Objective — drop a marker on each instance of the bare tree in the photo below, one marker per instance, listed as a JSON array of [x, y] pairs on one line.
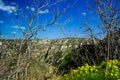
[[33, 26], [108, 22], [109, 12]]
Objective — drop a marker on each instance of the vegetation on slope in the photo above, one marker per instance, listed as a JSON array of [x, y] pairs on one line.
[[95, 72]]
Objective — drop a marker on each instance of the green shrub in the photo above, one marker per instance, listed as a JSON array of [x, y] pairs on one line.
[[95, 72]]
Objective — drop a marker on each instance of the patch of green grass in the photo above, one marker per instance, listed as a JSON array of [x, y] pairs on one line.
[[39, 71]]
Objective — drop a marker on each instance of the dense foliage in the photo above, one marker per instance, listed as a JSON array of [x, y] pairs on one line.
[[95, 72]]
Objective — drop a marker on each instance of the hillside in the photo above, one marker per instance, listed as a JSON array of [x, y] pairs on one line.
[[62, 55]]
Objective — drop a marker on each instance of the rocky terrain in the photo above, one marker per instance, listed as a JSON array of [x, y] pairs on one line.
[[66, 53]]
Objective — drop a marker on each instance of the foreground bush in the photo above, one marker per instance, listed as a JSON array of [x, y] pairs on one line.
[[95, 72]]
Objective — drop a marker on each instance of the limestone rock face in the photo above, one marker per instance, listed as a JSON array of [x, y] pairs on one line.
[[54, 50]]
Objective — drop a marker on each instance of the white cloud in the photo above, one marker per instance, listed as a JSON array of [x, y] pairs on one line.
[[27, 7], [22, 28], [43, 12], [1, 22], [14, 32], [83, 13], [8, 9], [32, 9], [18, 27]]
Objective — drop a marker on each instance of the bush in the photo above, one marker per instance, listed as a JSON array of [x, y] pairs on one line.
[[95, 72]]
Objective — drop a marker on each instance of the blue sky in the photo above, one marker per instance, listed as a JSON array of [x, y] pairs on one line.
[[68, 25]]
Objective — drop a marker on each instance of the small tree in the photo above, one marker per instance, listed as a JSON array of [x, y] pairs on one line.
[[33, 26], [109, 12]]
